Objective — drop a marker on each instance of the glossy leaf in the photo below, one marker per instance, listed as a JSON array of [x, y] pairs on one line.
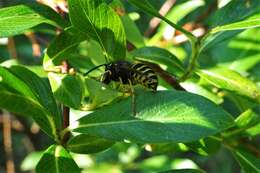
[[160, 56], [68, 89], [254, 131], [55, 160], [248, 162], [97, 20], [165, 116], [231, 80], [17, 19], [85, 144], [22, 105]]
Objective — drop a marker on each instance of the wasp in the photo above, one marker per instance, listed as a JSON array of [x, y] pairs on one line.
[[129, 73]]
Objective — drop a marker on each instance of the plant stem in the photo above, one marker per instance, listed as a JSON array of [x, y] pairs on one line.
[[66, 120], [188, 34], [195, 47], [7, 138]]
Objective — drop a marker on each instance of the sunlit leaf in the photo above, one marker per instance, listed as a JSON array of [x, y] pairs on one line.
[[165, 116], [230, 80], [97, 20], [55, 160], [85, 144], [17, 19]]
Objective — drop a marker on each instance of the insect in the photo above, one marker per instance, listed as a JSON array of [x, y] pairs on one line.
[[129, 73]]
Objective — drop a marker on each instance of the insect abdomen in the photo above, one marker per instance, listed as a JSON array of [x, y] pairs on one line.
[[144, 75]]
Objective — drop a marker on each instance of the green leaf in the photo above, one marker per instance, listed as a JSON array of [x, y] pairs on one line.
[[17, 19], [67, 89], [198, 89], [236, 11], [24, 84], [247, 119], [41, 90], [56, 160], [254, 131], [85, 144], [133, 34], [247, 161], [230, 80], [66, 42], [183, 171], [99, 21], [99, 94], [244, 24], [205, 146], [159, 56], [25, 106], [11, 81], [164, 116]]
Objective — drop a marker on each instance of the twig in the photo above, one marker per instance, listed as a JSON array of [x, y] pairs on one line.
[[156, 21], [11, 48], [35, 45], [7, 135], [166, 76]]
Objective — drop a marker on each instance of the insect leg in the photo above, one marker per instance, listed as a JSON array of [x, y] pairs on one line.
[[133, 97]]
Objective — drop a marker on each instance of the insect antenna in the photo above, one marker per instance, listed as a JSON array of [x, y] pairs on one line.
[[85, 74]]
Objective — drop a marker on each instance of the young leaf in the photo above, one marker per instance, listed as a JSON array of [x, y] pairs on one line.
[[247, 161], [164, 116], [68, 89], [56, 160], [17, 19], [231, 80], [85, 144], [159, 56], [97, 20]]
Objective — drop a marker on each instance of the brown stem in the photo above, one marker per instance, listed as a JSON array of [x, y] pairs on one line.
[[11, 48], [7, 137], [166, 76], [156, 21]]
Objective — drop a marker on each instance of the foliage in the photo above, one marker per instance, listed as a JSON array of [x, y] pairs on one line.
[[215, 115]]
